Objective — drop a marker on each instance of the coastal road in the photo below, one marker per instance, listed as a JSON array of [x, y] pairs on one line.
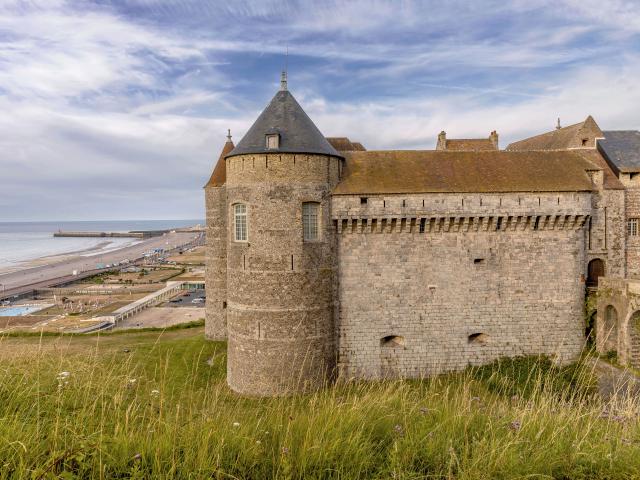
[[50, 274]]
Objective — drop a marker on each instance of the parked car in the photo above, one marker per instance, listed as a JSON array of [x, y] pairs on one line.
[[197, 300]]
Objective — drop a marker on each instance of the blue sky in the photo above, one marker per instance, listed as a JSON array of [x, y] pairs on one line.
[[118, 109]]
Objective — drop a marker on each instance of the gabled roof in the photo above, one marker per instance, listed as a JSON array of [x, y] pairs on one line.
[[429, 171], [470, 144], [563, 138], [343, 144], [610, 181], [284, 116], [219, 175], [622, 149]]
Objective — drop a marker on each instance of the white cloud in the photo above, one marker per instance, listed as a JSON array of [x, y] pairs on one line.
[[107, 113]]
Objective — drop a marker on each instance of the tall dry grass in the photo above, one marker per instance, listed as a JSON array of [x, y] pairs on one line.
[[162, 410]]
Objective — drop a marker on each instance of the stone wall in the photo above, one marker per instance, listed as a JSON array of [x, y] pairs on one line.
[[619, 331], [216, 263], [631, 181], [281, 289], [605, 236], [430, 283]]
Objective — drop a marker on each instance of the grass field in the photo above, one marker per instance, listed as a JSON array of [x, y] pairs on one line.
[[155, 404]]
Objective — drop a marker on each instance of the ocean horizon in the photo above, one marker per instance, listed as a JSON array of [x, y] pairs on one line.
[[22, 242]]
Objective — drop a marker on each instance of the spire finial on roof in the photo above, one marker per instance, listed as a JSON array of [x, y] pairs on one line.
[[283, 81], [558, 127], [228, 134]]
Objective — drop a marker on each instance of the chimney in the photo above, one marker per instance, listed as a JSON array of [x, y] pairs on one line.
[[493, 136], [442, 141]]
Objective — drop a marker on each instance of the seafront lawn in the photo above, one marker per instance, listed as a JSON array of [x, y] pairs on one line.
[[154, 404]]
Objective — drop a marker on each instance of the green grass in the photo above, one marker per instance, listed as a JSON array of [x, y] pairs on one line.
[[156, 405]]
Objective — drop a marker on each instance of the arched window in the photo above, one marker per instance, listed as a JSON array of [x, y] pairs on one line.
[[594, 272], [240, 222], [310, 217]]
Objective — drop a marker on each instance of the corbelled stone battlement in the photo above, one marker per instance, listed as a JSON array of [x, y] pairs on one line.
[[457, 224]]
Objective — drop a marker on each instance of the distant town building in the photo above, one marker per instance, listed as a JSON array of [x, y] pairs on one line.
[[328, 260]]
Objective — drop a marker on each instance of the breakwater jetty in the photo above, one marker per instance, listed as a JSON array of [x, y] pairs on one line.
[[133, 234]]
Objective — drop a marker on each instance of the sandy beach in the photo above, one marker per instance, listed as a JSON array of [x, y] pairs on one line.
[[57, 258], [40, 272]]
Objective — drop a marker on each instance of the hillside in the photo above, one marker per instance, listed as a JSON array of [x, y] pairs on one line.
[[155, 405]]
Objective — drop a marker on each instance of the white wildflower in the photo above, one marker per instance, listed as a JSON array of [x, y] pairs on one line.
[[236, 424]]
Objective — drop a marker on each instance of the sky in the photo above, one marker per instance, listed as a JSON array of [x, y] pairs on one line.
[[119, 109]]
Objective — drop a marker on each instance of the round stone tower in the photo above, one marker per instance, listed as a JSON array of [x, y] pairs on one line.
[[281, 254], [215, 193]]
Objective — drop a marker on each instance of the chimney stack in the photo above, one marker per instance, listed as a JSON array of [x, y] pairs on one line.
[[494, 139], [442, 141]]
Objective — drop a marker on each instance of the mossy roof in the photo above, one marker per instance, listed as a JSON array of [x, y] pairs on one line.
[[560, 138], [431, 171], [470, 144], [219, 174]]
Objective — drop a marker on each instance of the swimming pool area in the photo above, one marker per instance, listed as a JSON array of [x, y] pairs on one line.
[[20, 310]]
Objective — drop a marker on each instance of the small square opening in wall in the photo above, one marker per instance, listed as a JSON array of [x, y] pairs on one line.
[[478, 261], [478, 338], [363, 200]]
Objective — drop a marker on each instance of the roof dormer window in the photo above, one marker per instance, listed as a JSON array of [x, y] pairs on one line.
[[273, 141]]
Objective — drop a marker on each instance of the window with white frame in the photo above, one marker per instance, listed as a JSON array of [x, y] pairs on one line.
[[240, 222], [310, 220], [632, 227], [273, 141]]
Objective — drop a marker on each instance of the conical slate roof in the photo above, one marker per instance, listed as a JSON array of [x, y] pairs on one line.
[[219, 175], [284, 116]]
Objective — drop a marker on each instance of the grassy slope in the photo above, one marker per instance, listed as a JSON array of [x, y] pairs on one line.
[[508, 420]]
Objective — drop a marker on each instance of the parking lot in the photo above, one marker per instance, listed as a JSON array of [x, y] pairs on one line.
[[187, 298]]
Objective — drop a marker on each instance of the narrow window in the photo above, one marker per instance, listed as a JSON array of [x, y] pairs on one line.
[[499, 223], [632, 227], [404, 203], [273, 141], [240, 221], [423, 224], [584, 142], [310, 221], [363, 200], [478, 261]]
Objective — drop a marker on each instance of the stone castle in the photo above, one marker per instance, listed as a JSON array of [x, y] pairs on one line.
[[326, 260]]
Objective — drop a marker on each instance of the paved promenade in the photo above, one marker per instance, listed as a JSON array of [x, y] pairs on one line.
[[50, 274]]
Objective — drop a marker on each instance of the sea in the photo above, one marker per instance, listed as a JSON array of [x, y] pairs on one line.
[[22, 242]]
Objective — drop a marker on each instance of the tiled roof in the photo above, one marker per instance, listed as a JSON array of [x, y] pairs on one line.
[[562, 138], [219, 175], [470, 144], [343, 144], [622, 149], [284, 116], [414, 171], [611, 181]]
